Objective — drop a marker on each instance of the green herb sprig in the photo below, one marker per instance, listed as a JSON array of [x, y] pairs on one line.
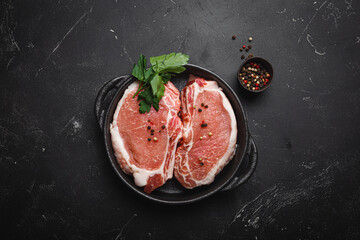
[[152, 79]]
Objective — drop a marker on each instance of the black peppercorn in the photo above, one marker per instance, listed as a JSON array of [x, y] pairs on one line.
[[242, 56], [152, 130], [202, 104], [233, 37], [149, 139], [151, 134], [199, 110], [149, 127], [206, 106], [163, 126]]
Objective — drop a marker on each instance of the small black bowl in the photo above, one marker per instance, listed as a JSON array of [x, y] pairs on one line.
[[266, 65]]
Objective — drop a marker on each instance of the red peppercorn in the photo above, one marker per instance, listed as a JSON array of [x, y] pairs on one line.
[[245, 81], [244, 46], [264, 83], [257, 66], [252, 64], [266, 80], [257, 88], [257, 84]]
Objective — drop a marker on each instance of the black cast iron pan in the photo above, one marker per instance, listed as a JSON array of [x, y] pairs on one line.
[[237, 172]]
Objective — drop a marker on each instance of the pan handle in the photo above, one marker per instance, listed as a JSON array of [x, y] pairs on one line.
[[102, 99], [252, 154]]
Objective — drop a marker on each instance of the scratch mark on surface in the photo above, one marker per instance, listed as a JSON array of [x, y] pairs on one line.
[[238, 214], [310, 79], [311, 19], [62, 40], [32, 184], [10, 61], [13, 41], [173, 2], [283, 11], [308, 165], [7, 19], [357, 40], [309, 39], [319, 93], [67, 124], [30, 45], [266, 206], [168, 11], [349, 7], [127, 54], [183, 42], [119, 236], [66, 35]]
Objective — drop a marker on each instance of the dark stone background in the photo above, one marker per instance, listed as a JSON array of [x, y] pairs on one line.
[[55, 179]]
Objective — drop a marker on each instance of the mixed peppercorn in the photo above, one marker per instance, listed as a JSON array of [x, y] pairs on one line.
[[203, 124], [245, 48], [152, 131], [254, 76]]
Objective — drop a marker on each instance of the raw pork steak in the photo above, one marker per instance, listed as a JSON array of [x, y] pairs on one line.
[[209, 133], [150, 162]]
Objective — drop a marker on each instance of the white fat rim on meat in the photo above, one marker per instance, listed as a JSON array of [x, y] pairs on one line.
[[229, 154], [140, 175]]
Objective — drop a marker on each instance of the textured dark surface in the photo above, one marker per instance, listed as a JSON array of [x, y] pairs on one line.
[[55, 179]]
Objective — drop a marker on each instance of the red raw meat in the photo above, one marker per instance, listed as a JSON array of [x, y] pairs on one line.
[[150, 162], [204, 151]]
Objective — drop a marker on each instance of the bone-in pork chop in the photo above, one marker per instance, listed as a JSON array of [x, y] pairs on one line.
[[209, 133], [145, 144]]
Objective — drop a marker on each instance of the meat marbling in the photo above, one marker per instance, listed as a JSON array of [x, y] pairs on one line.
[[198, 161], [150, 162]]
